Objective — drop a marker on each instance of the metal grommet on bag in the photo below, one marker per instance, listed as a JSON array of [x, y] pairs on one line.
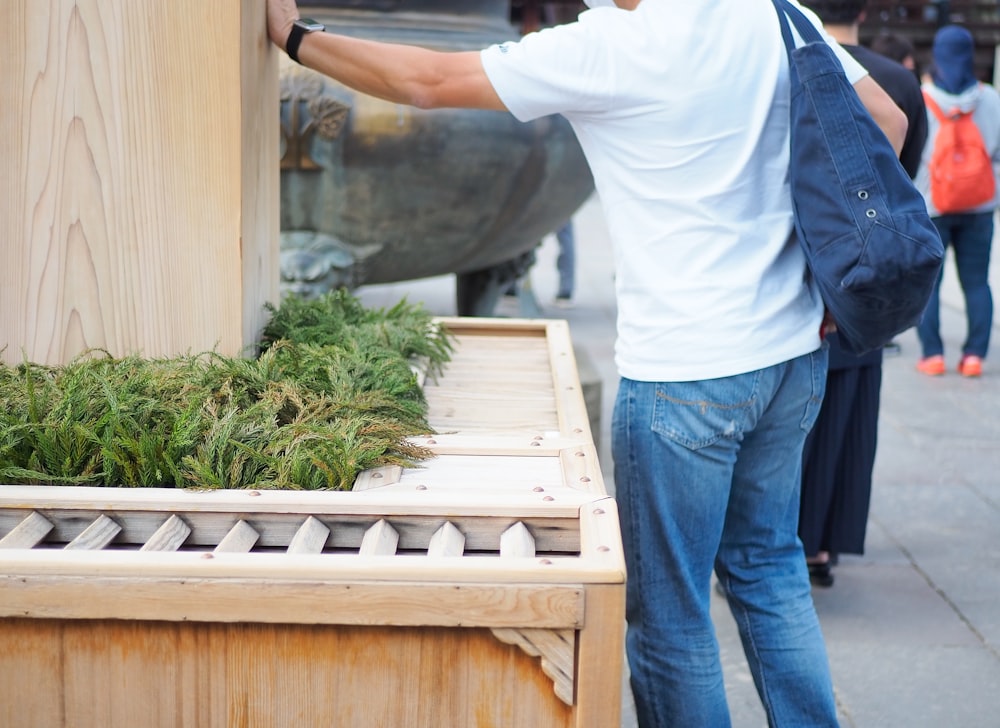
[[863, 194], [870, 213]]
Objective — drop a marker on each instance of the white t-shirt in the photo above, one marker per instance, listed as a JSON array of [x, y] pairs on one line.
[[681, 108]]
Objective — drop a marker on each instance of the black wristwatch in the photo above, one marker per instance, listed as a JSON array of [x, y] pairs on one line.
[[299, 28]]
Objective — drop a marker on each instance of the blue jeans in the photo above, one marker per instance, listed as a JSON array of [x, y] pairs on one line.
[[971, 237], [707, 475]]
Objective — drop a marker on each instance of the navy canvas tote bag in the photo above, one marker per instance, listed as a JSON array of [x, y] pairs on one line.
[[864, 228]]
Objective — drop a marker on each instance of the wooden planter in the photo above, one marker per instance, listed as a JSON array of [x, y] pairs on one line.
[[485, 588]]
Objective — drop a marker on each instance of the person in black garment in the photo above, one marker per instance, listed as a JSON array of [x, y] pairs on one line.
[[839, 453]]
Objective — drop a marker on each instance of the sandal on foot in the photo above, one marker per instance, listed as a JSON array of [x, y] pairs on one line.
[[820, 574]]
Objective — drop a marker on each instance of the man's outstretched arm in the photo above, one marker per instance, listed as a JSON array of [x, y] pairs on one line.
[[399, 73]]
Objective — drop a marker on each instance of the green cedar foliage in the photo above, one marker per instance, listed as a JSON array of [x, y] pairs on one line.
[[332, 393]]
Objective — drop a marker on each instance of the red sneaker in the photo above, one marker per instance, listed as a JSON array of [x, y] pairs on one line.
[[971, 366], [932, 366]]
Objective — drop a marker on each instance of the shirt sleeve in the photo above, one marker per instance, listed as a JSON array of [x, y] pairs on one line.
[[852, 69], [570, 68], [556, 70]]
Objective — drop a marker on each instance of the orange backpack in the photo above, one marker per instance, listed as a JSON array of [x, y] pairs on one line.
[[961, 171]]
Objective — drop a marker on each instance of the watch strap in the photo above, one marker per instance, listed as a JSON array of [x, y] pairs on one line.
[[299, 29]]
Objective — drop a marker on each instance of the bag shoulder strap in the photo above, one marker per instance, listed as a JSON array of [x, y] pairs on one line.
[[936, 110], [933, 106], [806, 30]]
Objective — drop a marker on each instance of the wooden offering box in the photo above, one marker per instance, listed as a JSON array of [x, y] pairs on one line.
[[483, 588]]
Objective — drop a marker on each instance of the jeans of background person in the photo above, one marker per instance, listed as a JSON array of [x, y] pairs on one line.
[[566, 260], [970, 236], [707, 477]]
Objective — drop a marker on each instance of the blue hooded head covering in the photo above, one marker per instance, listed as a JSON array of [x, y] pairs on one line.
[[953, 67]]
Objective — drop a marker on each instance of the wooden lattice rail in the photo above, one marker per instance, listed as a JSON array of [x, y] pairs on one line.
[[49, 538]]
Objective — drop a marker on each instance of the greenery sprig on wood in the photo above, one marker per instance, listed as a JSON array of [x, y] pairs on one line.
[[332, 393]]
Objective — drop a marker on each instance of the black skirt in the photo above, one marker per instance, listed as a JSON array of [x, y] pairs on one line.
[[837, 462]]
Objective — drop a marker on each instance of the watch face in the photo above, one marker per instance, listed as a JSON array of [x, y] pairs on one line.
[[309, 25]]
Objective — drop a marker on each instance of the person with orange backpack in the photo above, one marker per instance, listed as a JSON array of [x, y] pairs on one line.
[[957, 177]]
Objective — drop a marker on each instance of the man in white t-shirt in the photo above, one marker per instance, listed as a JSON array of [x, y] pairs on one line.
[[682, 111]]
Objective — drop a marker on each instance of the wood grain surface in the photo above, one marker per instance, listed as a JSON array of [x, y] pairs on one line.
[[138, 177]]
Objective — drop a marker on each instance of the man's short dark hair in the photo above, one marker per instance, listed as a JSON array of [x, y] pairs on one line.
[[837, 12], [893, 45]]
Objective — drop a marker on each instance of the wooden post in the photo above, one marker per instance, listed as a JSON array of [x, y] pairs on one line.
[[138, 177]]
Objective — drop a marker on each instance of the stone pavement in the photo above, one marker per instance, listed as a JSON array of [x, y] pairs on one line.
[[913, 626]]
